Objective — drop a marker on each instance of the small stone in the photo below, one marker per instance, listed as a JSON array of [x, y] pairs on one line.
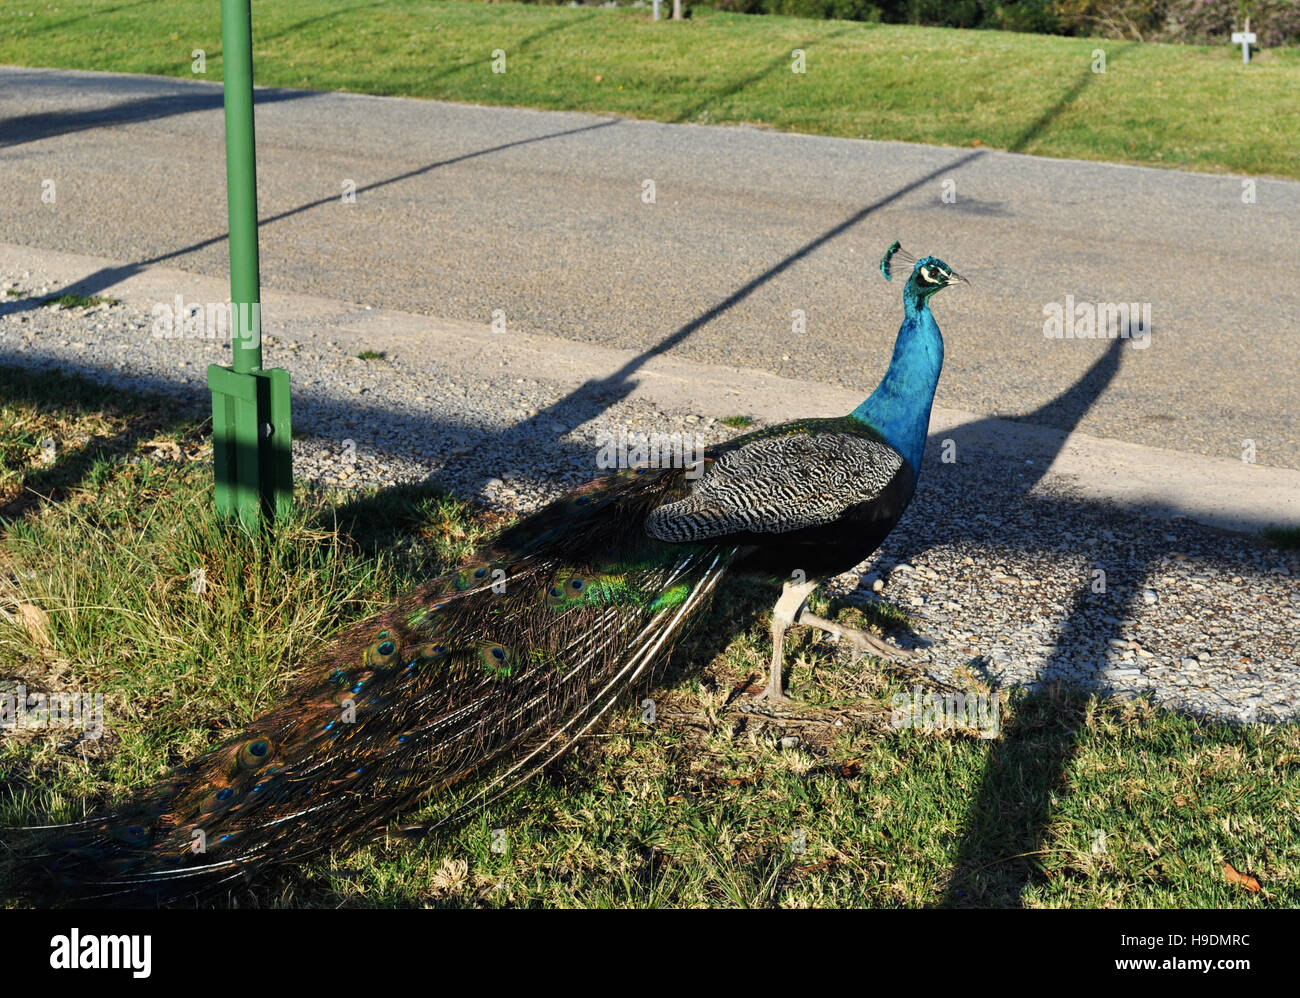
[[790, 741], [1149, 597]]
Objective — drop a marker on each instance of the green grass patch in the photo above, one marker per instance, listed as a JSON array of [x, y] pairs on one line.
[[371, 355], [737, 422], [74, 300], [1287, 538], [115, 578], [88, 425], [1195, 107]]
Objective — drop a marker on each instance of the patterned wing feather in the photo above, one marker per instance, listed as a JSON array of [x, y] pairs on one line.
[[779, 484]]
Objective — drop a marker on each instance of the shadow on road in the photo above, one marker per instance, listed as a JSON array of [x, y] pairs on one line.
[[48, 124], [93, 284], [593, 397]]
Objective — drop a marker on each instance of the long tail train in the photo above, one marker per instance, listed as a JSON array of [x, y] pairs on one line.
[[491, 671]]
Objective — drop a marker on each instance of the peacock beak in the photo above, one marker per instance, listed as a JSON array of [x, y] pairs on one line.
[[955, 278]]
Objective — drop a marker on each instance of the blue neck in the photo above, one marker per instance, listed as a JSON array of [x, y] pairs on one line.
[[899, 409]]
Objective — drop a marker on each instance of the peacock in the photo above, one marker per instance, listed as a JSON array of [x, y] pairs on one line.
[[490, 672]]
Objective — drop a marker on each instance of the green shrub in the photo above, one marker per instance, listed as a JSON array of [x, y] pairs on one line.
[[949, 13], [1211, 22], [1024, 15], [1207, 22], [842, 10]]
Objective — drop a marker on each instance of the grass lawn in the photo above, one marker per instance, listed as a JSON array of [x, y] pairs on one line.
[[1165, 105], [1078, 802]]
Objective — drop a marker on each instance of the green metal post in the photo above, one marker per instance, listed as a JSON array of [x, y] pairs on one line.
[[251, 428], [241, 178]]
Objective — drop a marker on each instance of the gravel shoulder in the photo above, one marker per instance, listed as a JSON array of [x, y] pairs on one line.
[[1032, 555]]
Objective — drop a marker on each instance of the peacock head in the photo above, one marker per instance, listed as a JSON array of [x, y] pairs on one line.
[[929, 274]]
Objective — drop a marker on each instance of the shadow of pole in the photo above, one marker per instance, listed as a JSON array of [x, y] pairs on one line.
[[67, 475], [735, 87], [1028, 765], [593, 397], [511, 48], [49, 124], [1040, 124], [92, 284]]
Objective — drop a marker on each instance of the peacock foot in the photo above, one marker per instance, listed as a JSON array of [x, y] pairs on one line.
[[774, 696], [860, 639]]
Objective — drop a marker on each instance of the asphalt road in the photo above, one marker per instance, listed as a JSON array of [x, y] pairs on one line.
[[463, 210]]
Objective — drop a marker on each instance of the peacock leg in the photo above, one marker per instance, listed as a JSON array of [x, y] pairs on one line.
[[864, 640], [784, 614]]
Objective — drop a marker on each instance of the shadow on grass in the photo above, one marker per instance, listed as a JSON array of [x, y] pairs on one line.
[[1008, 820], [1007, 826], [1044, 121], [144, 419], [733, 88], [513, 48]]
